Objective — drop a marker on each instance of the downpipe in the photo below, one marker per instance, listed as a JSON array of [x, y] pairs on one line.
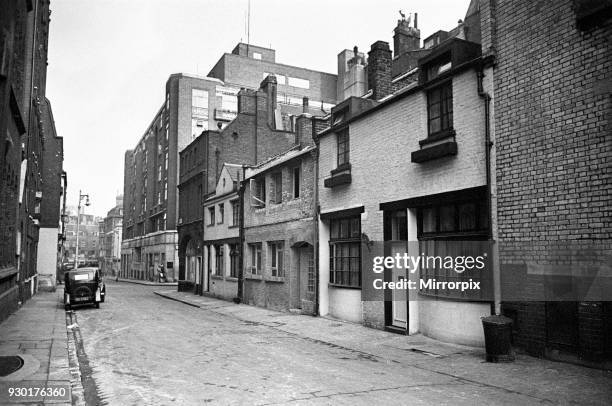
[[486, 97]]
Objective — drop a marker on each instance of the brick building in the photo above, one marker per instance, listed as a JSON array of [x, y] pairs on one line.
[[256, 134], [110, 239], [51, 207], [552, 112], [222, 253], [26, 129], [89, 236], [195, 104], [193, 168], [280, 228]]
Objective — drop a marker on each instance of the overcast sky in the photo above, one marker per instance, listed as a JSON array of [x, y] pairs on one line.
[[109, 61]]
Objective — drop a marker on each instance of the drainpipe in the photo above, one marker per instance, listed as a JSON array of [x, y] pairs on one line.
[[315, 226], [496, 304], [241, 186]]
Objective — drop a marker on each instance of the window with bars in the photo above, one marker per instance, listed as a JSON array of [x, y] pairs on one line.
[[296, 172], [343, 147], [255, 258], [235, 213], [276, 258], [276, 188], [234, 260], [219, 266], [311, 275], [440, 109], [221, 213], [211, 216], [345, 252]]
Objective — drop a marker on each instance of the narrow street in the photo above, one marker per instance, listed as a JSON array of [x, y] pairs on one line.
[[146, 349]]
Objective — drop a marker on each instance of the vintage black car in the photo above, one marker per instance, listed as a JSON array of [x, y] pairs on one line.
[[83, 286]]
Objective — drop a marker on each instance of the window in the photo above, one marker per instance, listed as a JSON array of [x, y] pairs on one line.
[[211, 216], [258, 192], [276, 189], [443, 64], [343, 147], [311, 275], [219, 260], [276, 258], [454, 229], [234, 260], [296, 182], [221, 213], [345, 252], [256, 55], [235, 212], [440, 109], [297, 82], [255, 257]]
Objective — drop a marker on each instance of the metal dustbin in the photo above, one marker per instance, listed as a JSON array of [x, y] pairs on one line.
[[498, 333]]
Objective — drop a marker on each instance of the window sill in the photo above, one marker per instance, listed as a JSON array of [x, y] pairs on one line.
[[437, 137], [435, 296], [334, 285], [276, 279], [231, 279], [216, 277], [233, 226], [437, 151], [341, 168], [253, 276], [339, 176]]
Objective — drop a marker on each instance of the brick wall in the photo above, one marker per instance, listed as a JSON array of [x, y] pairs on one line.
[[552, 125]]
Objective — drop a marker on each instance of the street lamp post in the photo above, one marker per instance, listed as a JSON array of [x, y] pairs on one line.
[[76, 254]]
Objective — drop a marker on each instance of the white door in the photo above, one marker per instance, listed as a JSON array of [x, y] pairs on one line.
[[400, 297]]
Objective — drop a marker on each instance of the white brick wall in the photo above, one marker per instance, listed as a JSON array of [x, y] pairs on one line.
[[380, 148]]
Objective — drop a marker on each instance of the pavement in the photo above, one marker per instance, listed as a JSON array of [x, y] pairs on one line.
[[146, 283], [528, 380], [37, 333]]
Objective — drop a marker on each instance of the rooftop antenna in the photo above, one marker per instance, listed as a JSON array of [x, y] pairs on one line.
[[248, 26]]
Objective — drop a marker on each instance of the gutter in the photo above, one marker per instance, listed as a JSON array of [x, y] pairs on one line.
[[315, 225], [486, 97], [241, 187]]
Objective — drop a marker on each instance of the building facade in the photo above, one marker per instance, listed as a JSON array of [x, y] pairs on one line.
[[51, 207], [89, 236], [111, 229], [25, 125], [222, 259], [195, 104], [280, 227], [256, 134], [552, 116]]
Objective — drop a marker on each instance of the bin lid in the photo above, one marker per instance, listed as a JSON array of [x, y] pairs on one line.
[[501, 320]]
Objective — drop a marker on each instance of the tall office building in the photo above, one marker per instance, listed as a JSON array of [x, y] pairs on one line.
[[192, 105]]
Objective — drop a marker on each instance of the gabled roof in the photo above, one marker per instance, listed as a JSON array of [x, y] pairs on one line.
[[234, 170], [277, 161]]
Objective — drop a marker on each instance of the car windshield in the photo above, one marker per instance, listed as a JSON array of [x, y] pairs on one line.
[[82, 276]]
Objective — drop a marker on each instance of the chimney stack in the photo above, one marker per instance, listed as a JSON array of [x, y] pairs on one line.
[[405, 37], [269, 86], [379, 70]]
